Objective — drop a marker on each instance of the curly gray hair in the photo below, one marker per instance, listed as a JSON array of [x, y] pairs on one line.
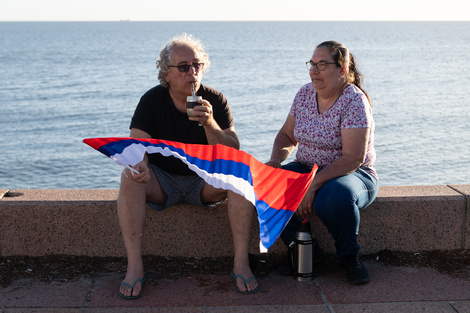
[[165, 55]]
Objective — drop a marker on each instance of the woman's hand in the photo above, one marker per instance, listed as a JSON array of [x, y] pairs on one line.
[[274, 163], [305, 208]]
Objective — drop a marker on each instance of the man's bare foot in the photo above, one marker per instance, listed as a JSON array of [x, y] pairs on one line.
[[245, 281], [131, 286]]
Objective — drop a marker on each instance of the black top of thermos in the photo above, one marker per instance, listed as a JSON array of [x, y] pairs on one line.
[[305, 227]]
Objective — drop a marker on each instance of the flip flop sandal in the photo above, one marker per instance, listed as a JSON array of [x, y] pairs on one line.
[[245, 281], [142, 280]]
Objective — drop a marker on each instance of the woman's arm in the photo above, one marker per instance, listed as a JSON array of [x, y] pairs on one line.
[[354, 143], [284, 143]]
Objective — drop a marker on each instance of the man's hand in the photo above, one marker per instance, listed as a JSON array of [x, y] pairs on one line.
[[144, 171], [203, 113]]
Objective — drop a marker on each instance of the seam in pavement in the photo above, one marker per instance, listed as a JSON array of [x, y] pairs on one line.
[[324, 298]]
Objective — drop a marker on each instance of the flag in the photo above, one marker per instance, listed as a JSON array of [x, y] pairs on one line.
[[274, 192]]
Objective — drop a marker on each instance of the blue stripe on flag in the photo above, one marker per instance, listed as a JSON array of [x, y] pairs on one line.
[[218, 166], [271, 221]]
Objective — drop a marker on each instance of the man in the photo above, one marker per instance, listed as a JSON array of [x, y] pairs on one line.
[[165, 181]]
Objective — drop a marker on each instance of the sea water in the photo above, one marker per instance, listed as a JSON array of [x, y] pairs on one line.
[[61, 82]]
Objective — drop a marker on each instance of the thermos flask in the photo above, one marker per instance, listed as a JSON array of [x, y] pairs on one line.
[[303, 253]]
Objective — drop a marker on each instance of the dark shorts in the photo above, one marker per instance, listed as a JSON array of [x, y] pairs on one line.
[[180, 189]]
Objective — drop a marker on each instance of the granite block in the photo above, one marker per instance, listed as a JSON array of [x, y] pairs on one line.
[[465, 191], [84, 222], [72, 222], [408, 219], [413, 219], [40, 222]]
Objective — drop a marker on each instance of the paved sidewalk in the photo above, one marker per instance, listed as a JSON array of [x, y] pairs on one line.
[[392, 289]]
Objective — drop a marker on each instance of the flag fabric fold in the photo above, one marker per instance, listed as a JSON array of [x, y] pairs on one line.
[[274, 192]]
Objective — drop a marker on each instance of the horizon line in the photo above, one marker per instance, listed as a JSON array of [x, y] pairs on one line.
[[219, 21]]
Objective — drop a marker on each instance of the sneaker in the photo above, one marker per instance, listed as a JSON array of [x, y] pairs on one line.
[[286, 267], [357, 273]]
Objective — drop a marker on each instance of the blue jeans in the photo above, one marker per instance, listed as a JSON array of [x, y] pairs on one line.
[[337, 204]]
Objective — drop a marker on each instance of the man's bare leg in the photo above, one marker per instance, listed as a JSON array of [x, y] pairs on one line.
[[131, 209], [210, 194], [240, 212]]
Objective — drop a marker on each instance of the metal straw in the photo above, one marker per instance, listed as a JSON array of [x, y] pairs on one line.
[[192, 89]]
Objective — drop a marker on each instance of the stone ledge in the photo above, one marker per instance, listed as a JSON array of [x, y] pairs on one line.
[[38, 222]]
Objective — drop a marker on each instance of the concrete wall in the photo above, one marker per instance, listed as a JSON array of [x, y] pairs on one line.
[[38, 222]]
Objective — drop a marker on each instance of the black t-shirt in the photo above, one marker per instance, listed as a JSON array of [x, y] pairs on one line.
[[157, 115]]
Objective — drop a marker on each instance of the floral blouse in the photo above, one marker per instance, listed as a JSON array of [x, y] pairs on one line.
[[319, 134]]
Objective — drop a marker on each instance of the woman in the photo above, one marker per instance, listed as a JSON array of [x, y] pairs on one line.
[[331, 123]]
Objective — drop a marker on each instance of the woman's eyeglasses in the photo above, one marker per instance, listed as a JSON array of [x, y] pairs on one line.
[[321, 66], [183, 68]]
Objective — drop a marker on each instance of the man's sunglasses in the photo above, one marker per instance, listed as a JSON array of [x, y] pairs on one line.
[[183, 68]]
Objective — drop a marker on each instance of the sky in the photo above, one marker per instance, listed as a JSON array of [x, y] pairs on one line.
[[234, 10]]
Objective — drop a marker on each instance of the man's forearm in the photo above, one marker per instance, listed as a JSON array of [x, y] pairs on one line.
[[227, 137]]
